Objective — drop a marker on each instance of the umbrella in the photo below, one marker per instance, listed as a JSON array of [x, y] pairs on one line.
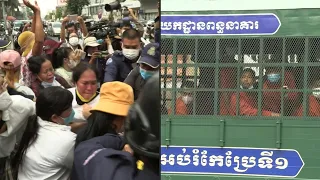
[[11, 18]]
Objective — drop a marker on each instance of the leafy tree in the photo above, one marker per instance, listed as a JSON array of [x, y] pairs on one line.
[[59, 12], [76, 6]]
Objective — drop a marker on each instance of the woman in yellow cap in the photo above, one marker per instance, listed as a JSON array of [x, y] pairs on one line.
[[31, 44]]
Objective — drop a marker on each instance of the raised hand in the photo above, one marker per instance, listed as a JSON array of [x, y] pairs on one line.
[[34, 7]]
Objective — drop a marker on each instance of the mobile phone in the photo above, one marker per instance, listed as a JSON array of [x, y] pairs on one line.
[[73, 17]]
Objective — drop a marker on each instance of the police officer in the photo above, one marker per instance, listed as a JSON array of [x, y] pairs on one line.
[[121, 63], [108, 158], [4, 45], [149, 64]]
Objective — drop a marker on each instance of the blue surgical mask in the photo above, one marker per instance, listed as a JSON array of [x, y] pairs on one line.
[[146, 74], [69, 119], [273, 77], [100, 41], [47, 84]]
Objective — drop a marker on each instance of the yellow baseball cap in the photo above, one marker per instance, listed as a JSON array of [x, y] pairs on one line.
[[115, 98]]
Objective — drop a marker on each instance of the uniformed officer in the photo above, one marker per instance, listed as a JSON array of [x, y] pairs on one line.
[[121, 63], [108, 158], [149, 64], [4, 45]]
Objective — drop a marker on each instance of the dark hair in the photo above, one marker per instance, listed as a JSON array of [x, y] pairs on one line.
[[248, 70], [35, 62], [131, 34], [81, 68], [59, 55], [116, 44], [99, 124], [52, 100], [71, 24]]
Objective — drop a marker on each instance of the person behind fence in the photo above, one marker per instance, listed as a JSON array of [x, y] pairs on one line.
[[313, 104], [247, 100], [149, 64], [46, 150], [108, 158], [14, 113], [121, 63], [273, 80], [184, 104], [109, 114]]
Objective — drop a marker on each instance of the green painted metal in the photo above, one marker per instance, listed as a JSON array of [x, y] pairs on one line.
[[299, 133]]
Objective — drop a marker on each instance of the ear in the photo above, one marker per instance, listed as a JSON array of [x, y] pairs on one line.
[[56, 119]]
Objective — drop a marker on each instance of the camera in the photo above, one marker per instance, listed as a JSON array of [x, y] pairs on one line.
[[105, 29]]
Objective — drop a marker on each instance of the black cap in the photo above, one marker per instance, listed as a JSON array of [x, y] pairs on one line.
[[4, 44]]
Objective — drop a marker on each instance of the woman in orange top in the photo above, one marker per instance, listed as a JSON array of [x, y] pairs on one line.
[[184, 102], [247, 100], [314, 101]]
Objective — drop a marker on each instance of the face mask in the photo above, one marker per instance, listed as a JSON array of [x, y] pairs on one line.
[[130, 53], [187, 99], [5, 101], [69, 119], [72, 64], [146, 74], [47, 84], [100, 41], [74, 41], [241, 87], [316, 93], [273, 77]]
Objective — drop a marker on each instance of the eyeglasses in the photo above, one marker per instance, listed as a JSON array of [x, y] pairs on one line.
[[47, 71]]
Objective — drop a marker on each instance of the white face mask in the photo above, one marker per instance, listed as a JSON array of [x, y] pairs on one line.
[[130, 53], [5, 101], [72, 64], [241, 87], [316, 93], [187, 99], [74, 41]]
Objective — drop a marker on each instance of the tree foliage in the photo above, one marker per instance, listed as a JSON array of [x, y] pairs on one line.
[[59, 13], [76, 6]]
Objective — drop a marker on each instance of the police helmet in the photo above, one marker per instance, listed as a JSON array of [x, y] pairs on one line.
[[142, 125]]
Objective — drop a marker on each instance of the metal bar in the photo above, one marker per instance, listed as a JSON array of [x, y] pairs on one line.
[[222, 133], [168, 132], [278, 133], [174, 77], [282, 76], [305, 98], [216, 75], [4, 16], [195, 79], [261, 68], [238, 77]]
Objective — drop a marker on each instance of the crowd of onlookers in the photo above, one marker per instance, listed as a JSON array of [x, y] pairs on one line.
[[58, 100]]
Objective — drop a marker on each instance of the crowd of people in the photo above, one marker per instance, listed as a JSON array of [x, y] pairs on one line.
[[79, 109]]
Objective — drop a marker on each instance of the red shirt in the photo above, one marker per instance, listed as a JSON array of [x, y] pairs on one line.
[[272, 100], [314, 107], [228, 80], [247, 105]]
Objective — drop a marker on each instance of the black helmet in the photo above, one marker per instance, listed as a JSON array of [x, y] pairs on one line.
[[142, 126]]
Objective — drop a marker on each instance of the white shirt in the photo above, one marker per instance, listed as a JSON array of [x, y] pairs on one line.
[[15, 114], [50, 157], [24, 89], [78, 117]]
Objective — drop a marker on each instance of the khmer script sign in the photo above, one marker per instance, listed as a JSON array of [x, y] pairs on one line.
[[231, 161], [216, 24]]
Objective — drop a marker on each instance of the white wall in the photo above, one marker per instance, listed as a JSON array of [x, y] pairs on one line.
[[211, 5]]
